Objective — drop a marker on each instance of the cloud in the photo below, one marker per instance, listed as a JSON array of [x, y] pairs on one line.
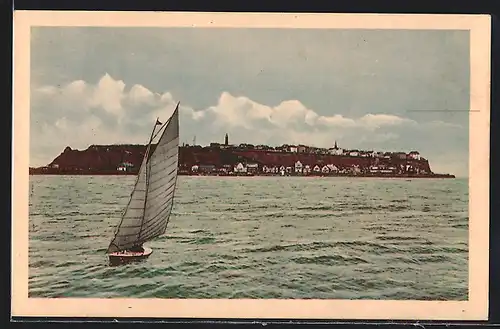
[[374, 121], [80, 114]]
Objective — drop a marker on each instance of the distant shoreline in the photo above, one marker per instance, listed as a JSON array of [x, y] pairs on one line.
[[245, 160], [403, 176]]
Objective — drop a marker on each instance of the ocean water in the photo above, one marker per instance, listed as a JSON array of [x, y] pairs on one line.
[[257, 237]]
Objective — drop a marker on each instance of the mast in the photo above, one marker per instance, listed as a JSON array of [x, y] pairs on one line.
[[147, 176], [148, 169], [148, 147], [148, 210]]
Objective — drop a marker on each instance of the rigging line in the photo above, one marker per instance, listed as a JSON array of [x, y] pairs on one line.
[[162, 126], [148, 172], [177, 164], [125, 211], [138, 177], [158, 211], [166, 123], [172, 203], [148, 167], [173, 193], [149, 163], [130, 199]]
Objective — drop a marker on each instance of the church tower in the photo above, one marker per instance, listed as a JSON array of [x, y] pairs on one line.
[[226, 140], [335, 147]]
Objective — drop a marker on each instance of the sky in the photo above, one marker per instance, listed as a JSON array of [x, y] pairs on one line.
[[387, 90]]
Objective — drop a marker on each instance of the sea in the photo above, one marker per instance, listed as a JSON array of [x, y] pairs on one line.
[[257, 237]]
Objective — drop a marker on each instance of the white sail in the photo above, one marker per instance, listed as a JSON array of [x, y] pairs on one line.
[[150, 205]]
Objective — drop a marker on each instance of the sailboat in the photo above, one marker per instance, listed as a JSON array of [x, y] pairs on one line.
[[149, 207]]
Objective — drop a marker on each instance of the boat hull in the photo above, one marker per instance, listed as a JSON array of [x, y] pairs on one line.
[[117, 258]]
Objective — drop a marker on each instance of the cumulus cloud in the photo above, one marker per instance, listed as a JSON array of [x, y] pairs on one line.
[[79, 114]]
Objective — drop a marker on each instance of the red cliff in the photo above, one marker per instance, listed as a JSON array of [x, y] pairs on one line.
[[126, 159]]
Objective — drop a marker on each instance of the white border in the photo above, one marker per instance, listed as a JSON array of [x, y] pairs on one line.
[[476, 308]]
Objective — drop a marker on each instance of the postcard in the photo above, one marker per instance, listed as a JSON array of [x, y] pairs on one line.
[[250, 165]]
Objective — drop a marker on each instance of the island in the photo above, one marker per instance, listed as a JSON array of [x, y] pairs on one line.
[[224, 159]]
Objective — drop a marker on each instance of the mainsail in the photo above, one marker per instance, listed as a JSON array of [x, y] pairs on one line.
[[148, 211]]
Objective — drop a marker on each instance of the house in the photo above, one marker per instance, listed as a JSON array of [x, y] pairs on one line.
[[206, 168], [316, 168], [400, 155], [240, 168], [325, 170], [333, 168], [414, 155], [282, 148], [252, 167], [223, 170], [274, 169], [293, 149], [298, 167], [268, 170], [356, 169], [336, 151], [125, 166], [354, 153], [194, 168]]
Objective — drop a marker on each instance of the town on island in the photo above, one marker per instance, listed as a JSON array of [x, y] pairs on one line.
[[245, 160]]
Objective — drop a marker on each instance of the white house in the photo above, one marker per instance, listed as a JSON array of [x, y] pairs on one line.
[[252, 167], [354, 153], [336, 151], [240, 168], [316, 168], [293, 149], [194, 168], [124, 166], [333, 168], [414, 155], [325, 170], [298, 167]]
